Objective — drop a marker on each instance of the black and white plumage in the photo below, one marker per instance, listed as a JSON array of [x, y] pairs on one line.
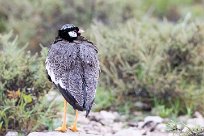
[[72, 65]]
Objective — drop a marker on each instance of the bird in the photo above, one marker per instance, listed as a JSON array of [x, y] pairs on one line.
[[72, 65]]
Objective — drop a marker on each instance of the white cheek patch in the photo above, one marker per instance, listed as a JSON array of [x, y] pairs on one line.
[[72, 34]]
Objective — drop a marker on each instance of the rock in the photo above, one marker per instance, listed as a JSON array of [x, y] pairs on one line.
[[94, 116], [92, 132], [92, 128], [104, 117], [11, 133], [160, 134], [151, 122], [121, 118], [195, 122], [129, 132], [136, 132], [197, 130], [132, 124], [109, 115], [82, 119], [106, 123], [55, 133], [142, 106], [183, 118], [161, 127], [180, 126], [198, 115], [140, 124], [117, 127], [155, 119], [137, 113], [109, 134]]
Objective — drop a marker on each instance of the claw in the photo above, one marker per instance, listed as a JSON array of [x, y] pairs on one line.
[[73, 128], [62, 128]]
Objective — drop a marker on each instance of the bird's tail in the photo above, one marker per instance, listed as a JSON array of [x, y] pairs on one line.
[[87, 112], [88, 108]]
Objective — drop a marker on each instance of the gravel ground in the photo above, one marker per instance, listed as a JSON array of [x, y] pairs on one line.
[[108, 123]]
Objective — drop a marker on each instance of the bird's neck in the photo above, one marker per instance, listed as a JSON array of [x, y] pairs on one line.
[[79, 38]]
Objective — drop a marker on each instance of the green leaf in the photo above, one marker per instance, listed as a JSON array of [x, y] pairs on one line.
[[27, 98]]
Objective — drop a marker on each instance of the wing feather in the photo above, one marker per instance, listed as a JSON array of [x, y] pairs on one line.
[[74, 69], [88, 54], [63, 67]]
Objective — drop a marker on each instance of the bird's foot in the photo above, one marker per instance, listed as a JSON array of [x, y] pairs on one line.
[[63, 128], [73, 128]]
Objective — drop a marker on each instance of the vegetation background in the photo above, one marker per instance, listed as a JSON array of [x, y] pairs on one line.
[[151, 54]]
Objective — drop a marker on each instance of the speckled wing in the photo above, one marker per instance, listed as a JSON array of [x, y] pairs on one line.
[[74, 69], [88, 54], [63, 66]]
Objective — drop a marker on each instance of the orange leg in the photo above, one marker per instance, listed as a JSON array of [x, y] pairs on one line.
[[63, 128], [74, 126]]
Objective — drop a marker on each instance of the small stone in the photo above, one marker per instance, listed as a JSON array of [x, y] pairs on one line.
[[11, 133], [183, 118], [142, 106], [160, 134], [92, 132], [140, 124], [137, 113], [196, 122], [185, 129], [109, 134], [106, 122], [155, 119], [161, 127], [128, 132], [180, 126], [109, 115], [132, 124], [83, 120], [121, 118], [55, 133], [117, 127], [198, 115]]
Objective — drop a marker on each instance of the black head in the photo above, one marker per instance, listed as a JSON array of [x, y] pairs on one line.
[[69, 32]]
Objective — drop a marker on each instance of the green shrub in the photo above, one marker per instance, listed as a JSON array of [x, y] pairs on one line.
[[158, 60], [103, 100], [36, 21], [183, 130], [23, 85], [154, 60]]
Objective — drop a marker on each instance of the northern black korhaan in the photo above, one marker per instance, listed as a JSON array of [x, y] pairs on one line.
[[72, 65]]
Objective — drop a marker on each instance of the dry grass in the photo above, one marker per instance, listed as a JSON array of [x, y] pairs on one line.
[[23, 85], [158, 60]]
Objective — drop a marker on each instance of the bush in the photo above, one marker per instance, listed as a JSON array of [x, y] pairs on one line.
[[23, 85], [36, 21], [154, 61], [157, 62]]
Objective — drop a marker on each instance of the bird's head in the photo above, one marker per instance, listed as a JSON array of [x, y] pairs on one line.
[[69, 32]]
